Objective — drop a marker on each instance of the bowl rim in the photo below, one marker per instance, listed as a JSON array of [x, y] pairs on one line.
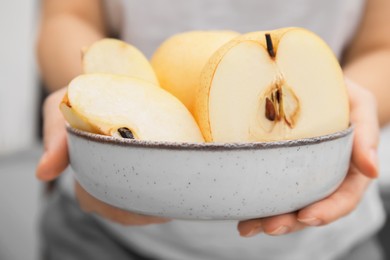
[[214, 146]]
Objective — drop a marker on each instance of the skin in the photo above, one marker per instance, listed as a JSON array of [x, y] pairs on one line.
[[365, 64]]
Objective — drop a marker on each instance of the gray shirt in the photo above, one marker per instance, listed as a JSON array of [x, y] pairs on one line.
[[146, 24]]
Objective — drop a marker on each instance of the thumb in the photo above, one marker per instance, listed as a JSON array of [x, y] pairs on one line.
[[55, 157], [365, 118]]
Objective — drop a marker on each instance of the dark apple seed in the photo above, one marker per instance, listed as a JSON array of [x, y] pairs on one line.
[[270, 46], [270, 112], [277, 94], [126, 133]]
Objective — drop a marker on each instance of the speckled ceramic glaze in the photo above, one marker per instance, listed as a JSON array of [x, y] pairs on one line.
[[210, 181]]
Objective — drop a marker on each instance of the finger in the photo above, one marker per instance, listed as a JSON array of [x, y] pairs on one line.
[[282, 224], [343, 201], [90, 204], [250, 228], [275, 225], [364, 117], [55, 158]]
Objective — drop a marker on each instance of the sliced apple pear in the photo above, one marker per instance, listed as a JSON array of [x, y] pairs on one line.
[[126, 107], [74, 119], [179, 61], [277, 85], [117, 57]]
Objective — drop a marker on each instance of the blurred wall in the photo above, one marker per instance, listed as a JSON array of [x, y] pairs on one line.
[[18, 84], [19, 189]]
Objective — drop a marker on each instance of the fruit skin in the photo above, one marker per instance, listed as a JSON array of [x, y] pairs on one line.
[[179, 61], [201, 101], [103, 103], [74, 119], [202, 105], [117, 57]]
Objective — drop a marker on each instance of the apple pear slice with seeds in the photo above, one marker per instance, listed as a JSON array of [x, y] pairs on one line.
[[117, 57], [267, 86], [126, 107], [179, 61]]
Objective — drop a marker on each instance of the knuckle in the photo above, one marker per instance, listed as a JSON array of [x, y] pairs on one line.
[[47, 102], [371, 98], [53, 99]]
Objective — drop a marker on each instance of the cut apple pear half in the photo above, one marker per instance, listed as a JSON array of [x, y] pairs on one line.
[[268, 86], [117, 57], [179, 61], [126, 107]]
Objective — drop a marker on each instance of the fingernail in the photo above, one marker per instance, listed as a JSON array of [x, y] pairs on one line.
[[43, 158], [374, 160], [41, 162], [43, 172], [280, 231], [310, 221], [254, 232]]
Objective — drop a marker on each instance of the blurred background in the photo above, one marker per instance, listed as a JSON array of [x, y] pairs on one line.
[[19, 145], [21, 95]]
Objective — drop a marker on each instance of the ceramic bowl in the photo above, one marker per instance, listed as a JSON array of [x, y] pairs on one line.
[[209, 180]]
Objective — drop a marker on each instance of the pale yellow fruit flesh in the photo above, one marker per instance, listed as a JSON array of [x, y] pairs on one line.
[[108, 102], [311, 69], [235, 90], [75, 120], [232, 95], [117, 57], [179, 61]]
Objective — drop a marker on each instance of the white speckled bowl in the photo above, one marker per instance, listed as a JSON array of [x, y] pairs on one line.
[[209, 181]]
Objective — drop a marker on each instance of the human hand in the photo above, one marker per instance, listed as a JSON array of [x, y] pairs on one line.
[[88, 203], [363, 167], [55, 159]]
